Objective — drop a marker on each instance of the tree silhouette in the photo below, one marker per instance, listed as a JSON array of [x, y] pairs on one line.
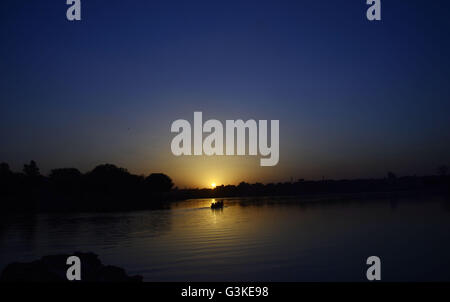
[[31, 170], [65, 174], [108, 171], [158, 182], [4, 170], [66, 179], [111, 178]]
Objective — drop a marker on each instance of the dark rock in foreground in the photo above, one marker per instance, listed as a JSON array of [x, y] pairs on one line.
[[53, 269]]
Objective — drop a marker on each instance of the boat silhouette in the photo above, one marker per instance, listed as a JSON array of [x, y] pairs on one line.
[[217, 205]]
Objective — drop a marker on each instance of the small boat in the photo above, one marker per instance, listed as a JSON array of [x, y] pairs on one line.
[[217, 205]]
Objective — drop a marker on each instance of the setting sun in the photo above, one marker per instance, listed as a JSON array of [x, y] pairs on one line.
[[213, 185]]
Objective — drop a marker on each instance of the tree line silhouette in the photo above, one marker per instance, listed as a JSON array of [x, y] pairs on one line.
[[439, 183], [105, 188], [111, 188]]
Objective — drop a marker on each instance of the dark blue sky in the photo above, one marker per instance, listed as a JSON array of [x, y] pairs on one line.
[[354, 98]]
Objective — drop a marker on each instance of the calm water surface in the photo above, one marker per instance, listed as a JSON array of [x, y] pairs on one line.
[[277, 239]]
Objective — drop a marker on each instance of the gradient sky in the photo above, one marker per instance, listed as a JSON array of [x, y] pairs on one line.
[[354, 98]]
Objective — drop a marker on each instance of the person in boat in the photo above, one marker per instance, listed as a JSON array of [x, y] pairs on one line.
[[217, 205]]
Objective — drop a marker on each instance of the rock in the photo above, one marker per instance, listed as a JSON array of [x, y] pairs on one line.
[[53, 269]]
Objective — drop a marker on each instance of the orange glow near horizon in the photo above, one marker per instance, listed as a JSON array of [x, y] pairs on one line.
[[203, 171]]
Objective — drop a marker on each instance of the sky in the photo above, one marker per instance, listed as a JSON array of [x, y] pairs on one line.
[[354, 98]]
